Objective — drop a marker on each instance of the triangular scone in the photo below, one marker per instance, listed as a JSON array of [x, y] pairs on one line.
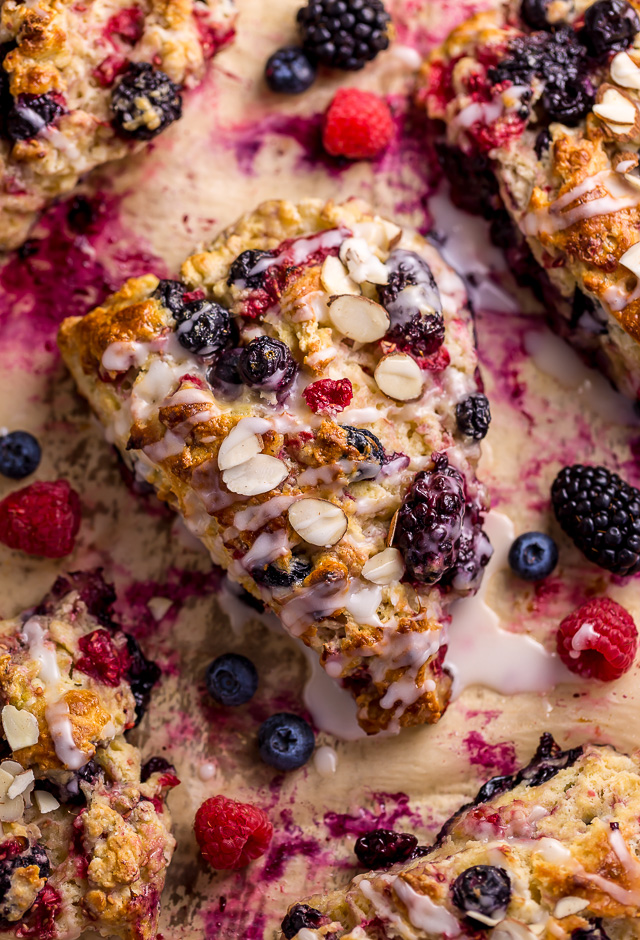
[[300, 406], [550, 853], [85, 839]]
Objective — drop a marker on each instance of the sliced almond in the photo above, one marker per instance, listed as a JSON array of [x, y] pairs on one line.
[[258, 475], [483, 919], [11, 810], [20, 784], [318, 521], [11, 767], [391, 230], [20, 727], [6, 779], [363, 265], [399, 376], [631, 259], [615, 108], [624, 71], [335, 278], [242, 442], [159, 606], [359, 318], [633, 176], [568, 906], [46, 802], [385, 567]]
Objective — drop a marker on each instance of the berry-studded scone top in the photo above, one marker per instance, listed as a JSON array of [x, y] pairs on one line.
[[85, 834], [546, 96], [81, 84], [295, 398], [548, 854]]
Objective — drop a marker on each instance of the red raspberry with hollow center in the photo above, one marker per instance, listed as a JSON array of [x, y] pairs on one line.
[[358, 125], [41, 519], [598, 640], [101, 659], [231, 834], [330, 395]]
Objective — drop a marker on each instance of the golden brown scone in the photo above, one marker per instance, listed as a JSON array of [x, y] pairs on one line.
[[218, 398], [84, 83], [541, 126], [86, 833], [550, 853]]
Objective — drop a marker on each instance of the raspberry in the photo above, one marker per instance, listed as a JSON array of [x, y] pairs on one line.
[[41, 519], [330, 395], [598, 640], [357, 125], [231, 834], [101, 659]]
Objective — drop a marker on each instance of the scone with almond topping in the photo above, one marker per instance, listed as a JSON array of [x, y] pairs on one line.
[[307, 396], [86, 833], [550, 853], [537, 106], [81, 84]]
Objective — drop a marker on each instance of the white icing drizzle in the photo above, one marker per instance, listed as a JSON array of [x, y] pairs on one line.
[[266, 548], [61, 730], [424, 914], [122, 355], [618, 194], [254, 517], [301, 248]]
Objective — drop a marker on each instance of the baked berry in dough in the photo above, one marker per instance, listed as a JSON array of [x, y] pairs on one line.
[[294, 397], [81, 84], [85, 839], [551, 852], [538, 107]]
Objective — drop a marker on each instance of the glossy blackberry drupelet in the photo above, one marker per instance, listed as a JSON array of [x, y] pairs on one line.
[[429, 522], [484, 890], [283, 572], [344, 34], [20, 454], [171, 295], [285, 741], [473, 416], [206, 328], [289, 71], [382, 847], [558, 60], [371, 450], [29, 115], [533, 556], [600, 512], [609, 26], [240, 271], [231, 679], [266, 364], [413, 302], [301, 915], [156, 765], [162, 103], [34, 855]]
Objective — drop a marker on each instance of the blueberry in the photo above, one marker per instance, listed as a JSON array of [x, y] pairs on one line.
[[231, 679], [29, 115], [144, 102], [482, 889], [240, 271], [370, 450], [206, 329], [142, 675], [609, 26], [289, 71], [19, 454], [543, 142], [285, 741], [569, 100], [300, 916], [382, 847], [283, 573], [171, 295], [223, 375], [534, 13], [156, 765], [533, 556], [473, 416], [267, 364]]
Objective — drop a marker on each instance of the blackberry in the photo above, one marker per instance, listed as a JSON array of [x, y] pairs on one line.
[[594, 931], [142, 675], [568, 101], [474, 552], [601, 514], [382, 847], [484, 890], [473, 416], [344, 34], [413, 302], [144, 102], [171, 295], [206, 329], [534, 13], [548, 760], [533, 556], [289, 71], [156, 765], [19, 454], [370, 449], [240, 272], [283, 573], [267, 364], [34, 855], [609, 26], [231, 679], [285, 741], [300, 916], [29, 115], [474, 186], [429, 522], [543, 142]]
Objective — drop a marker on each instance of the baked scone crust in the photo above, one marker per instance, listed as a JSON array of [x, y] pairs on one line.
[[385, 643]]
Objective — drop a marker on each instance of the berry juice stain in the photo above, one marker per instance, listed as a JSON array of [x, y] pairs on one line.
[[500, 757], [390, 808]]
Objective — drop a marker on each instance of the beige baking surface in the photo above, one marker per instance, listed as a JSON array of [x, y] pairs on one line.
[[179, 195]]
